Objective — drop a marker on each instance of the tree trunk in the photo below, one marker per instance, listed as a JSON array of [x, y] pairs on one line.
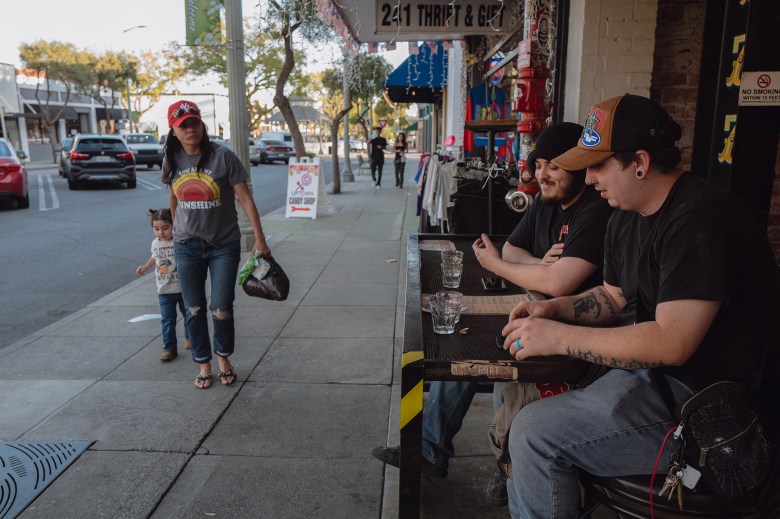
[[334, 152], [280, 100]]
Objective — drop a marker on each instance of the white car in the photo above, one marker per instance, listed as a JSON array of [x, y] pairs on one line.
[[145, 148]]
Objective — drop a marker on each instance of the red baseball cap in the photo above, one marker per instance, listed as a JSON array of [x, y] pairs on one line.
[[180, 111]]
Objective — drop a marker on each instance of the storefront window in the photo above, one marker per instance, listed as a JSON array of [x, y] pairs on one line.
[[37, 133]]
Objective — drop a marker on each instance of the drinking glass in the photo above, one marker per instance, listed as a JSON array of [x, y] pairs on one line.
[[444, 313], [455, 296], [450, 273], [451, 256]]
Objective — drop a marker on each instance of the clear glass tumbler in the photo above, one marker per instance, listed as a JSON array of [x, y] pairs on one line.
[[450, 273]]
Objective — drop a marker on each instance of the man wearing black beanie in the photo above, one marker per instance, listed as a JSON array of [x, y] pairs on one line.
[[556, 249]]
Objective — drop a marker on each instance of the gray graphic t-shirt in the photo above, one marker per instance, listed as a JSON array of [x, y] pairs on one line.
[[206, 207]]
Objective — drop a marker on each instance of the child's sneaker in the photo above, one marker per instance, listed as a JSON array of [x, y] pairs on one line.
[[167, 356], [186, 344]]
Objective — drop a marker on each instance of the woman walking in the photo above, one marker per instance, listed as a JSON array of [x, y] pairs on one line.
[[204, 180], [400, 159]]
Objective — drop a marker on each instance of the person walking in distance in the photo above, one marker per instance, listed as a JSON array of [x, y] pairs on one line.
[[400, 159], [167, 276], [205, 180], [376, 155]]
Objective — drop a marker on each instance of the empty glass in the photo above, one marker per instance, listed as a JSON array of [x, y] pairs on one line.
[[451, 256], [444, 313], [450, 273], [455, 296]]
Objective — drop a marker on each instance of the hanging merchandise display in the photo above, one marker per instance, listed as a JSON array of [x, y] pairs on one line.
[[532, 103]]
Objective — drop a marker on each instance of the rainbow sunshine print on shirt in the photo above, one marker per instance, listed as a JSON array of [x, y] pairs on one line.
[[197, 191]]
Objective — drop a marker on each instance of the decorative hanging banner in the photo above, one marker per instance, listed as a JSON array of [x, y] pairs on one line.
[[305, 192], [203, 24], [441, 16]]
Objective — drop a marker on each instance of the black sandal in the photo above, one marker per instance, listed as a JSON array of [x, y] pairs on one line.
[[203, 379], [227, 374]]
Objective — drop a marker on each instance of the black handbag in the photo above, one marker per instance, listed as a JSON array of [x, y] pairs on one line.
[[722, 437], [275, 285]]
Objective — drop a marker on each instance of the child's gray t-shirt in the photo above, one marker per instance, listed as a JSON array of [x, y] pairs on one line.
[[206, 207]]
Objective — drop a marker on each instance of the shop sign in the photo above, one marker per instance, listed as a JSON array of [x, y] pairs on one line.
[[303, 179], [441, 16], [760, 89]]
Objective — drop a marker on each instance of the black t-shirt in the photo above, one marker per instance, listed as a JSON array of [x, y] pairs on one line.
[[376, 153], [580, 227], [702, 244]]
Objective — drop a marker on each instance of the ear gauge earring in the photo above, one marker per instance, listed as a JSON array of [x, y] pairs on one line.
[[640, 173]]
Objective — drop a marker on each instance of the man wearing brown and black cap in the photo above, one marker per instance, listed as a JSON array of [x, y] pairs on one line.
[[688, 276]]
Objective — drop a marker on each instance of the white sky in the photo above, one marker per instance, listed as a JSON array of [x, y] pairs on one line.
[[98, 25]]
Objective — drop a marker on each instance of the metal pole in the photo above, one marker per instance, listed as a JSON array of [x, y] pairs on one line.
[[129, 105], [239, 121], [348, 175]]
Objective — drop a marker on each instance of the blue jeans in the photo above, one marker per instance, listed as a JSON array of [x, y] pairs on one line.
[[446, 406], [168, 304], [196, 260], [612, 427]]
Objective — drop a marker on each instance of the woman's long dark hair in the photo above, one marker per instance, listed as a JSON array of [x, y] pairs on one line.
[[401, 134], [172, 145]]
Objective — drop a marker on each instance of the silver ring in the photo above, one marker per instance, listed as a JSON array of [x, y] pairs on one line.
[[518, 345]]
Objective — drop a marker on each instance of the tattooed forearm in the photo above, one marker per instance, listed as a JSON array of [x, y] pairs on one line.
[[590, 303], [612, 362], [585, 304]]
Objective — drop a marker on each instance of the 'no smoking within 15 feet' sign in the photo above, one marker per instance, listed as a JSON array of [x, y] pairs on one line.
[[759, 89]]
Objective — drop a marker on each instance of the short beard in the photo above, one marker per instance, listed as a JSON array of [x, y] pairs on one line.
[[569, 192]]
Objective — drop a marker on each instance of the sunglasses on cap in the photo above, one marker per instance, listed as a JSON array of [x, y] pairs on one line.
[[185, 109]]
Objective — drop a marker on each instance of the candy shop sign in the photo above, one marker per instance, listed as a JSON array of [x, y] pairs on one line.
[[303, 179]]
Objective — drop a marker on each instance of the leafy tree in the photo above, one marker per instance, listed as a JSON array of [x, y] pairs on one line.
[[155, 73], [371, 72], [264, 59], [112, 75], [333, 106], [58, 62], [283, 18]]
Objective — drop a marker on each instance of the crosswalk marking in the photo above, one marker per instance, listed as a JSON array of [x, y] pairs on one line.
[[151, 186], [55, 201]]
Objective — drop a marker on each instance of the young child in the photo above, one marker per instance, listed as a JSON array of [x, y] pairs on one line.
[[168, 288]]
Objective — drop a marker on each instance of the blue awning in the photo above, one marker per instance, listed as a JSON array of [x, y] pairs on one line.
[[420, 78]]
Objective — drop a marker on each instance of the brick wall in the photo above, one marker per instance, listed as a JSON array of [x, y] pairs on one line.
[[678, 40], [675, 82], [610, 52]]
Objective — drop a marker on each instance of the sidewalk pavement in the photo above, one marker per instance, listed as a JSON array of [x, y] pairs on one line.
[[318, 387]]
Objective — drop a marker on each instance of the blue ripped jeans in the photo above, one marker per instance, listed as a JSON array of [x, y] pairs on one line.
[[613, 427], [446, 406], [168, 304], [197, 260]]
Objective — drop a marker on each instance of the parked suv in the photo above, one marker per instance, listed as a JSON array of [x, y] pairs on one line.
[[63, 151], [145, 148], [96, 158]]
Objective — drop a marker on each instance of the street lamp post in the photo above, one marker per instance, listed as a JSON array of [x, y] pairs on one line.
[[127, 82]]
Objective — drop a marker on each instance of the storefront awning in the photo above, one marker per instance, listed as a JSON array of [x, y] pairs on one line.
[[35, 111], [420, 78]]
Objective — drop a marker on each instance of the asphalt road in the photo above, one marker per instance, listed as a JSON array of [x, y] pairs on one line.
[[70, 248]]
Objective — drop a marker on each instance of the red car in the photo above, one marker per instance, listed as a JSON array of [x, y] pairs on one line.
[[13, 176]]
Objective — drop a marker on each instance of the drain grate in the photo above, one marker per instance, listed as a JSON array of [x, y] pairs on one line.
[[27, 468]]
